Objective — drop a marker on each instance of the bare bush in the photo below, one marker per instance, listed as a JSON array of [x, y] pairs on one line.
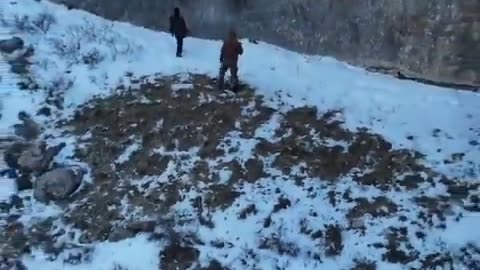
[[3, 21], [59, 85], [119, 267], [44, 21], [280, 246], [66, 48], [90, 33], [56, 90], [23, 23], [92, 57]]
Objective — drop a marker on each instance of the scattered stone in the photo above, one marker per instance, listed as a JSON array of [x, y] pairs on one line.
[[57, 184], [45, 111]]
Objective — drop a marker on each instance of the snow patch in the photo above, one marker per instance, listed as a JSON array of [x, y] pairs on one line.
[[136, 254]]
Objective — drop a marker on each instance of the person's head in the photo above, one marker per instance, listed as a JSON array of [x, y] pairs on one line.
[[176, 11], [232, 34]]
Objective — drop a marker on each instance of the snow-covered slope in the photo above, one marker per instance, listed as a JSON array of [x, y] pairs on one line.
[[434, 121]]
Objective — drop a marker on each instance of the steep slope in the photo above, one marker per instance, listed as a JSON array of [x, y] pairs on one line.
[[315, 165], [430, 39]]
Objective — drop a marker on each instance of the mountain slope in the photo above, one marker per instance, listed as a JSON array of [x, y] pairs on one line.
[[315, 165]]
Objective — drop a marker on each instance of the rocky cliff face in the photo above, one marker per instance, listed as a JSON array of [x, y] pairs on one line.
[[437, 40]]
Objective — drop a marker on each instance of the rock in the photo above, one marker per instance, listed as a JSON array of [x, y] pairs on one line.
[[9, 173], [29, 129], [45, 111], [11, 45], [51, 152], [16, 201], [31, 157], [13, 153], [254, 169], [19, 66], [142, 226], [29, 52], [57, 184], [24, 182]]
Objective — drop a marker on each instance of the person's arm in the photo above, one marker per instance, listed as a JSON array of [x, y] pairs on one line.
[[240, 48], [171, 25]]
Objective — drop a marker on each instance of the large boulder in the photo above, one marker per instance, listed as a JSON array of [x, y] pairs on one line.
[[12, 44], [57, 184], [13, 153], [31, 157], [28, 129]]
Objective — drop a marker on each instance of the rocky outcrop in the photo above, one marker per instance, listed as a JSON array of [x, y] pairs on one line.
[[433, 40]]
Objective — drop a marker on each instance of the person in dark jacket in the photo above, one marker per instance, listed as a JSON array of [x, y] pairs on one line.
[[231, 50], [178, 29]]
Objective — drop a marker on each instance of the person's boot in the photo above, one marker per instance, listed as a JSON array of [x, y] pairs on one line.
[[220, 83], [221, 78], [234, 84]]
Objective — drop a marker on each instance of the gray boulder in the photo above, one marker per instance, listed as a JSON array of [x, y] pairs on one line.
[[28, 129], [13, 153], [11, 45], [31, 157], [57, 184]]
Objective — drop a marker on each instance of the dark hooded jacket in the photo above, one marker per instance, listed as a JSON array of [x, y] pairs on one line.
[[231, 49], [178, 27]]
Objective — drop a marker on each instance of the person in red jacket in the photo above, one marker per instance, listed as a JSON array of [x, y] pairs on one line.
[[231, 50]]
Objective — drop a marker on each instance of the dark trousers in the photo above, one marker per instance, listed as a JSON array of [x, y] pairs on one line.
[[179, 45], [233, 75]]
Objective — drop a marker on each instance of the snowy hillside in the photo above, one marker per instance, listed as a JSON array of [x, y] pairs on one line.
[[315, 165]]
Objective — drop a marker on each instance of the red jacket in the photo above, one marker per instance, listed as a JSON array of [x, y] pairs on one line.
[[231, 49]]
